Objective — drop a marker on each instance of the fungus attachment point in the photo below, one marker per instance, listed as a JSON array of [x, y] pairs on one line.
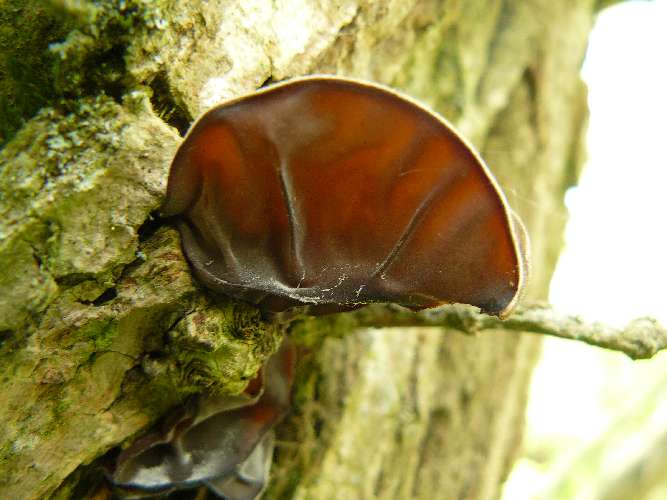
[[225, 442], [335, 193]]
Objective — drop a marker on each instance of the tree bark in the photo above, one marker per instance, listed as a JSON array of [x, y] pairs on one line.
[[103, 330]]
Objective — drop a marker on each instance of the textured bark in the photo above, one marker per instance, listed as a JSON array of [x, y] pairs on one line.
[[103, 330]]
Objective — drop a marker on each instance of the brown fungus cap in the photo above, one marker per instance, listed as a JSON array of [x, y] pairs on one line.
[[335, 193]]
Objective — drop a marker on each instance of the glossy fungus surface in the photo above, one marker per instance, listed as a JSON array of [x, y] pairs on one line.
[[334, 193], [224, 442]]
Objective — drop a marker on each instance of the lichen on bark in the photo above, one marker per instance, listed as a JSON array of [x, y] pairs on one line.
[[102, 329]]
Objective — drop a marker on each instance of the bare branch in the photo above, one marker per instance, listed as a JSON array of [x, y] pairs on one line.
[[642, 338]]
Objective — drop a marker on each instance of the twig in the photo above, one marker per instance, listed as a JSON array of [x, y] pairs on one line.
[[642, 338]]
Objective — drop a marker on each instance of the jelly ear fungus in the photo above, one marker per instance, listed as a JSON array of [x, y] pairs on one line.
[[328, 193], [223, 442], [334, 193]]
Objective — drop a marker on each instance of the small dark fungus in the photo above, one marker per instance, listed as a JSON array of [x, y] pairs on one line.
[[225, 442], [335, 193]]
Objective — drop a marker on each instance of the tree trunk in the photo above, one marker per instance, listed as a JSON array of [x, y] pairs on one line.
[[103, 330]]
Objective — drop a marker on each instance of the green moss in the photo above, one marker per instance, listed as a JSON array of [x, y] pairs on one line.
[[51, 146], [104, 337], [161, 394], [55, 50], [51, 172], [220, 348], [303, 427], [91, 58], [60, 409], [310, 331], [27, 28]]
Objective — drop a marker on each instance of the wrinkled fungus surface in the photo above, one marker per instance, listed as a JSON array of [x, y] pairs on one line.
[[335, 193], [224, 442]]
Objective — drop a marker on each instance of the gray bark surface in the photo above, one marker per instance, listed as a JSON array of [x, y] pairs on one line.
[[103, 330]]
